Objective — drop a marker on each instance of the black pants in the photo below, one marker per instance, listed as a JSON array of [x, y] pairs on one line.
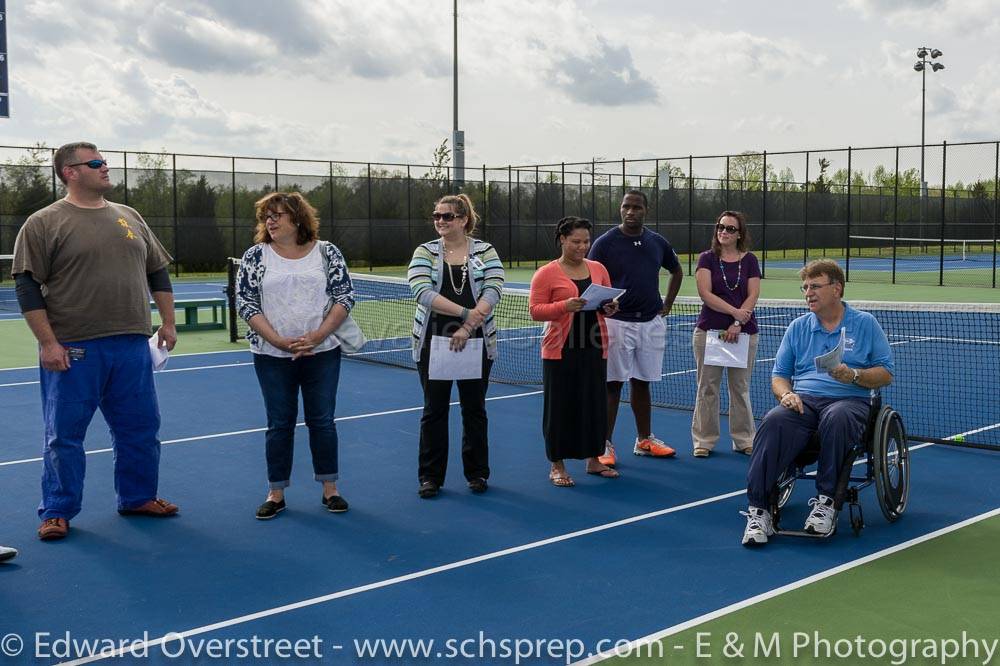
[[434, 424]]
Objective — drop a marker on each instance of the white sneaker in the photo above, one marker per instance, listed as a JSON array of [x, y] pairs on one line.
[[759, 526], [7, 553], [821, 519]]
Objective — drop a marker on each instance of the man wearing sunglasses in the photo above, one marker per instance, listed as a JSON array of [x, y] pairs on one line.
[[634, 256], [84, 267], [835, 403]]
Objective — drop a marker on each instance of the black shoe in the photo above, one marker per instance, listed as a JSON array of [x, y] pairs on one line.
[[335, 504], [428, 489], [478, 485], [270, 509]]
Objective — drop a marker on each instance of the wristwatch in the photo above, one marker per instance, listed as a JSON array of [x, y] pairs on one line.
[[857, 376]]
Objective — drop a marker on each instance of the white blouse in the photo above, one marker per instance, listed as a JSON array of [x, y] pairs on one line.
[[293, 298]]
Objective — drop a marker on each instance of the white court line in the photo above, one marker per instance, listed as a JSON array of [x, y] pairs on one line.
[[770, 594], [243, 619], [157, 372], [408, 577], [233, 433], [172, 355]]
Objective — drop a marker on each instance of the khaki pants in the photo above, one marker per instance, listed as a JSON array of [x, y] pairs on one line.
[[705, 422]]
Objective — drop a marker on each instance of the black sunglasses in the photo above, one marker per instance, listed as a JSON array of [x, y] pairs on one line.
[[728, 228], [447, 217], [93, 164]]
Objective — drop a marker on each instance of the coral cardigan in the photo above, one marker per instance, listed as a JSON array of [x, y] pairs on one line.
[[550, 289]]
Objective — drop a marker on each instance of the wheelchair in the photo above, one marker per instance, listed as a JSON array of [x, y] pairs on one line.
[[884, 456]]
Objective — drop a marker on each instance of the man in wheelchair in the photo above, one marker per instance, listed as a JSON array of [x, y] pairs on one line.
[[835, 402]]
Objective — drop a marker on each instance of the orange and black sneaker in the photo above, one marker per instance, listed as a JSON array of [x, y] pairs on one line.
[[608, 459], [651, 446]]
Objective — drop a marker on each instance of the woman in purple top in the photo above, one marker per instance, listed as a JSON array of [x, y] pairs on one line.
[[728, 278]]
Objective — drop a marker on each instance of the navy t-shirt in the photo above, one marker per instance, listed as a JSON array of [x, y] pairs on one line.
[[634, 264]]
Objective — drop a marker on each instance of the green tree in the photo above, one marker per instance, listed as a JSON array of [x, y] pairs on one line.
[[746, 171], [439, 163], [199, 242], [26, 184], [821, 184]]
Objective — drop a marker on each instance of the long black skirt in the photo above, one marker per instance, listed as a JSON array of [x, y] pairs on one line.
[[575, 421]]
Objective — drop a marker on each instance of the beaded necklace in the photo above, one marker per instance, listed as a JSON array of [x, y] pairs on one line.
[[465, 273], [739, 273]]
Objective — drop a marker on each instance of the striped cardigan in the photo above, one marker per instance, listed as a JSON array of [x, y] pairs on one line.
[[426, 277]]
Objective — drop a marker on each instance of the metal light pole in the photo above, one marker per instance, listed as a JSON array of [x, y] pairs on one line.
[[921, 66], [457, 135]]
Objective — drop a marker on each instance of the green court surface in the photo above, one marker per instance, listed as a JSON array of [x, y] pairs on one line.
[[933, 590]]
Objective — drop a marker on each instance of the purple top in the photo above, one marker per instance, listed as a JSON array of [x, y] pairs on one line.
[[736, 276]]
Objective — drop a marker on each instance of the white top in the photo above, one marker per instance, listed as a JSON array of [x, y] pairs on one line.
[[293, 298]]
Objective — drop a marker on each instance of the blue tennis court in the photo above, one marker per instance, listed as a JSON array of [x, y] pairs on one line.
[[607, 560]]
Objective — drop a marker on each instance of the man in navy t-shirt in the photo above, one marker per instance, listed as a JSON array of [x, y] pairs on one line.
[[634, 256]]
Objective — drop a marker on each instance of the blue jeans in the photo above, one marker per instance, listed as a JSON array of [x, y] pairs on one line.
[[116, 375], [281, 379], [784, 433]]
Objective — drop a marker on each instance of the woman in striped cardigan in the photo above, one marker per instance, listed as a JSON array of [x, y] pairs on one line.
[[457, 281]]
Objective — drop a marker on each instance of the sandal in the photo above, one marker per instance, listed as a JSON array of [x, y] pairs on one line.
[[605, 472], [561, 479]]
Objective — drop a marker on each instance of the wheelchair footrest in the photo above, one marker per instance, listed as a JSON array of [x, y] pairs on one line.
[[803, 533]]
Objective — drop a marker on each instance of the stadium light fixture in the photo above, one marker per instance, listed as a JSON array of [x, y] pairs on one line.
[[921, 66]]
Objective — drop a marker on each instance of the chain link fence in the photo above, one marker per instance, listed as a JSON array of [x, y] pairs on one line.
[[867, 207]]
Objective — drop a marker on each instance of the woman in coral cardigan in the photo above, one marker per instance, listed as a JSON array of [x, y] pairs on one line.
[[574, 354]]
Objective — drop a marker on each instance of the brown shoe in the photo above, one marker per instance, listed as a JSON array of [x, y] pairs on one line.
[[53, 528], [159, 508]]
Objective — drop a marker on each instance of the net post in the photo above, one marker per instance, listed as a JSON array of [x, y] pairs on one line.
[[231, 296]]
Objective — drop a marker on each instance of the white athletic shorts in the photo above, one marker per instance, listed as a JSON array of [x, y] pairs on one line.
[[635, 349]]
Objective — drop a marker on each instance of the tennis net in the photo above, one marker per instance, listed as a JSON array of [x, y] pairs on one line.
[[8, 300], [946, 355]]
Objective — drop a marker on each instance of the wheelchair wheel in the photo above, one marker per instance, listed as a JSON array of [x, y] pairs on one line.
[[786, 484], [891, 463]]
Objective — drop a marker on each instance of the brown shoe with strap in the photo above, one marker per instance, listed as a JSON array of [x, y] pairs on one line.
[[158, 508], [53, 528]]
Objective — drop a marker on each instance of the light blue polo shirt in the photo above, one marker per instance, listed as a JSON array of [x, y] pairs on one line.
[[865, 346]]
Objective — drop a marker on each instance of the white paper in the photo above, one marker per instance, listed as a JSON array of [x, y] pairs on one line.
[[830, 360], [727, 354], [596, 294], [158, 355], [448, 364]]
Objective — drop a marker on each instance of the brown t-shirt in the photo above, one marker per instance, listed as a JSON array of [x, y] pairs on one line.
[[92, 264]]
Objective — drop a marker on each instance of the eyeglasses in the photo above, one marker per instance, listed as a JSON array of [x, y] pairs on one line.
[[806, 288], [274, 217], [729, 229], [93, 164], [447, 217]]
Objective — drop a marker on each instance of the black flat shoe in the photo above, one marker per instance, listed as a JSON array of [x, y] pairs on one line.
[[428, 489], [478, 485], [335, 504], [270, 509]]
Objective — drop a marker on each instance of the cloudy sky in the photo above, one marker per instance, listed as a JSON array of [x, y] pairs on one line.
[[540, 81]]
